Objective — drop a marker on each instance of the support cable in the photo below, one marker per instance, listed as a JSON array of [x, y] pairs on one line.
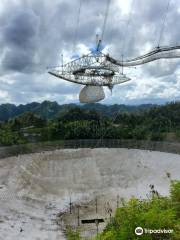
[[77, 25], [105, 19], [125, 34], [163, 22]]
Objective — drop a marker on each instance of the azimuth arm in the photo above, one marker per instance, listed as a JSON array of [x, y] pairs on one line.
[[159, 53]]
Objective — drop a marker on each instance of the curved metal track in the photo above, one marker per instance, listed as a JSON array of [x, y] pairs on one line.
[[158, 53]]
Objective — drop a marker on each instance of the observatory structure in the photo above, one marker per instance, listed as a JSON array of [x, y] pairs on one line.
[[94, 71], [97, 70]]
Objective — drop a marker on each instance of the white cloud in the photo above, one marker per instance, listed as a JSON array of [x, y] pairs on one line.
[[124, 6], [24, 75]]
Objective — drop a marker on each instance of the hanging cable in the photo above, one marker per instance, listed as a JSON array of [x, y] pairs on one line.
[[77, 25], [105, 19], [163, 22], [125, 34]]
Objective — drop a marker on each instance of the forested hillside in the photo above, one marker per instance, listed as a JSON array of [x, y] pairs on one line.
[[50, 110], [96, 121]]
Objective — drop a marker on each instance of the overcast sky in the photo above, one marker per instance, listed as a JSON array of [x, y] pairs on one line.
[[34, 33]]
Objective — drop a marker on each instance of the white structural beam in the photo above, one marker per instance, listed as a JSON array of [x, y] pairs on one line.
[[159, 53]]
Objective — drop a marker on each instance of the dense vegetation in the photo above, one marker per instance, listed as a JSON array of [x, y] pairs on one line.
[[157, 212], [73, 122]]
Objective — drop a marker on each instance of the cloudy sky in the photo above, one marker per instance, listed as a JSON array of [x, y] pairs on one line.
[[34, 34]]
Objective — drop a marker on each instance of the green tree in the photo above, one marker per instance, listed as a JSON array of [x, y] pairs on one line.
[[155, 213], [175, 196]]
